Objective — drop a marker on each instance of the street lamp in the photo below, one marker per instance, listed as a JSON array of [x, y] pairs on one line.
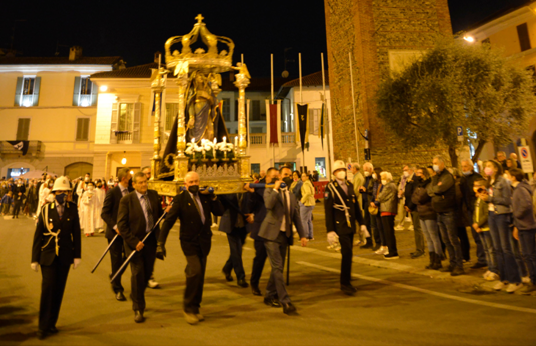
[[103, 88], [469, 39]]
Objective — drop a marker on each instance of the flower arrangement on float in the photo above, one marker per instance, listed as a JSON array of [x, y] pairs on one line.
[[211, 150]]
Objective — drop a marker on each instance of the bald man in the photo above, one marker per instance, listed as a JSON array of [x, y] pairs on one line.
[[193, 208]]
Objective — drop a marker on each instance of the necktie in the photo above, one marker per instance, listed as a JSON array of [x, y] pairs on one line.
[[148, 213], [287, 215], [197, 202], [124, 192]]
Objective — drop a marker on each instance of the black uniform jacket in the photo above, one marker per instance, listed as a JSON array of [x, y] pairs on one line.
[[335, 218], [131, 219], [192, 231], [110, 208], [70, 246]]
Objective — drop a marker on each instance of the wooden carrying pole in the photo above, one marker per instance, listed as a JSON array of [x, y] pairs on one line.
[[326, 117]]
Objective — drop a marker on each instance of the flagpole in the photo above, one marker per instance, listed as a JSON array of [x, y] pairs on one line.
[[325, 114], [301, 102], [269, 122], [353, 103]]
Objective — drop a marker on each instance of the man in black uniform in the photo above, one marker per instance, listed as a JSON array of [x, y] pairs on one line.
[[138, 212], [342, 213], [109, 215], [56, 246], [193, 209]]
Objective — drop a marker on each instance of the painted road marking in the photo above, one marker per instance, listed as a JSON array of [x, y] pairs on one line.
[[425, 291]]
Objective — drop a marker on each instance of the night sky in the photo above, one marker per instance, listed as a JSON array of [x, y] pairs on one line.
[[137, 32]]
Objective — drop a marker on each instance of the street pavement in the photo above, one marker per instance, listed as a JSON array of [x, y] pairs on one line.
[[398, 302]]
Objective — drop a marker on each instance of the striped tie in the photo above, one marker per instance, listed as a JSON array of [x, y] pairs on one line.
[[146, 206]]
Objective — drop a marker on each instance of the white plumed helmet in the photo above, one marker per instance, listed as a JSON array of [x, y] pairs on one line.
[[338, 165], [61, 184]]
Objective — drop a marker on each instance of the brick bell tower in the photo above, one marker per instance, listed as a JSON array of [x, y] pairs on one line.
[[381, 36]]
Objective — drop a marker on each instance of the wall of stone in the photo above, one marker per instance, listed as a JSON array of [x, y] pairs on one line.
[[369, 30]]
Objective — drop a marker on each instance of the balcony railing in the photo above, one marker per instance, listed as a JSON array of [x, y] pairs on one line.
[[121, 137], [34, 149], [258, 139]]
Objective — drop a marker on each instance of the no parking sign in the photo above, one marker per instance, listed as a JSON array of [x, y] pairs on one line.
[[525, 159]]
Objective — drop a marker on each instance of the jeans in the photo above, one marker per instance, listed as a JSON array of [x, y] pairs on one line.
[[527, 240], [489, 251], [306, 214], [517, 254], [431, 232], [388, 223], [449, 234], [480, 252], [236, 239], [500, 234], [418, 232]]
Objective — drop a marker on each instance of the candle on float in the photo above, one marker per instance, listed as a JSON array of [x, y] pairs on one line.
[[224, 139], [236, 142], [214, 148], [193, 140]]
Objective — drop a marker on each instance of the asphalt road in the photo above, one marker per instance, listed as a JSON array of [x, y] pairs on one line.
[[390, 308]]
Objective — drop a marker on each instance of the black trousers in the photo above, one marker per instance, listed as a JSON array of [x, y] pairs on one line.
[[117, 255], [346, 241], [195, 279], [16, 208], [237, 239], [464, 243], [52, 288], [141, 267], [258, 262], [388, 223], [277, 251]]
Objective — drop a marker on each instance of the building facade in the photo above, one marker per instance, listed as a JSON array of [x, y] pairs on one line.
[[49, 105]]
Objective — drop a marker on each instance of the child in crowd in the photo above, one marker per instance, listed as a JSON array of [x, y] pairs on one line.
[[480, 224], [6, 202]]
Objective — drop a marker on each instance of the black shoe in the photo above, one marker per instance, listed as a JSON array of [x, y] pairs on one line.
[[120, 296], [479, 265], [242, 283], [368, 245], [228, 275], [457, 271], [41, 334], [53, 330], [449, 268], [273, 302], [288, 308], [416, 254], [348, 289], [138, 316], [255, 290]]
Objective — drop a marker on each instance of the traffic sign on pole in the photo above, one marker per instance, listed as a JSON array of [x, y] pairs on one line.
[[525, 159], [459, 133]]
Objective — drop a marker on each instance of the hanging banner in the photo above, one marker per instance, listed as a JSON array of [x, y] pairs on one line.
[[303, 123], [21, 146]]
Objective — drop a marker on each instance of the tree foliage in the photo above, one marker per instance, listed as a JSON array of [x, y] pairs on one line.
[[457, 84]]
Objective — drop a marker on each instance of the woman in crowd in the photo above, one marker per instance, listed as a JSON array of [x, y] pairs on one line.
[[296, 185], [100, 194], [307, 204], [46, 189], [462, 221], [388, 203], [499, 199], [88, 204], [376, 219], [427, 217]]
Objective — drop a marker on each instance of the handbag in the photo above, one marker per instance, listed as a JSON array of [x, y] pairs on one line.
[[373, 210]]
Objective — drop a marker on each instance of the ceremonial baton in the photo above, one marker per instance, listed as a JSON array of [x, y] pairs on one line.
[[143, 240], [104, 254], [263, 185], [201, 189]]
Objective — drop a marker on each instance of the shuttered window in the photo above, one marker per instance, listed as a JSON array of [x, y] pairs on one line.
[[314, 121], [226, 109], [126, 119], [523, 34], [172, 109], [23, 129], [255, 110], [85, 92], [82, 129], [27, 91]]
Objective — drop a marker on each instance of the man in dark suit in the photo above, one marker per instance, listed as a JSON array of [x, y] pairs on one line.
[[138, 212], [56, 246], [254, 207], [276, 230], [193, 209], [342, 212], [109, 215], [233, 222]]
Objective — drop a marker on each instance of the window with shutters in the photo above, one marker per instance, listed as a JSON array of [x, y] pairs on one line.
[[314, 121], [172, 109], [255, 111], [85, 92], [27, 92], [524, 39], [226, 109], [82, 129], [125, 123], [23, 129]]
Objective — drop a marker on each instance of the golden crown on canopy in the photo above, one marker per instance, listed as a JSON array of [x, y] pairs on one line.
[[210, 61]]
